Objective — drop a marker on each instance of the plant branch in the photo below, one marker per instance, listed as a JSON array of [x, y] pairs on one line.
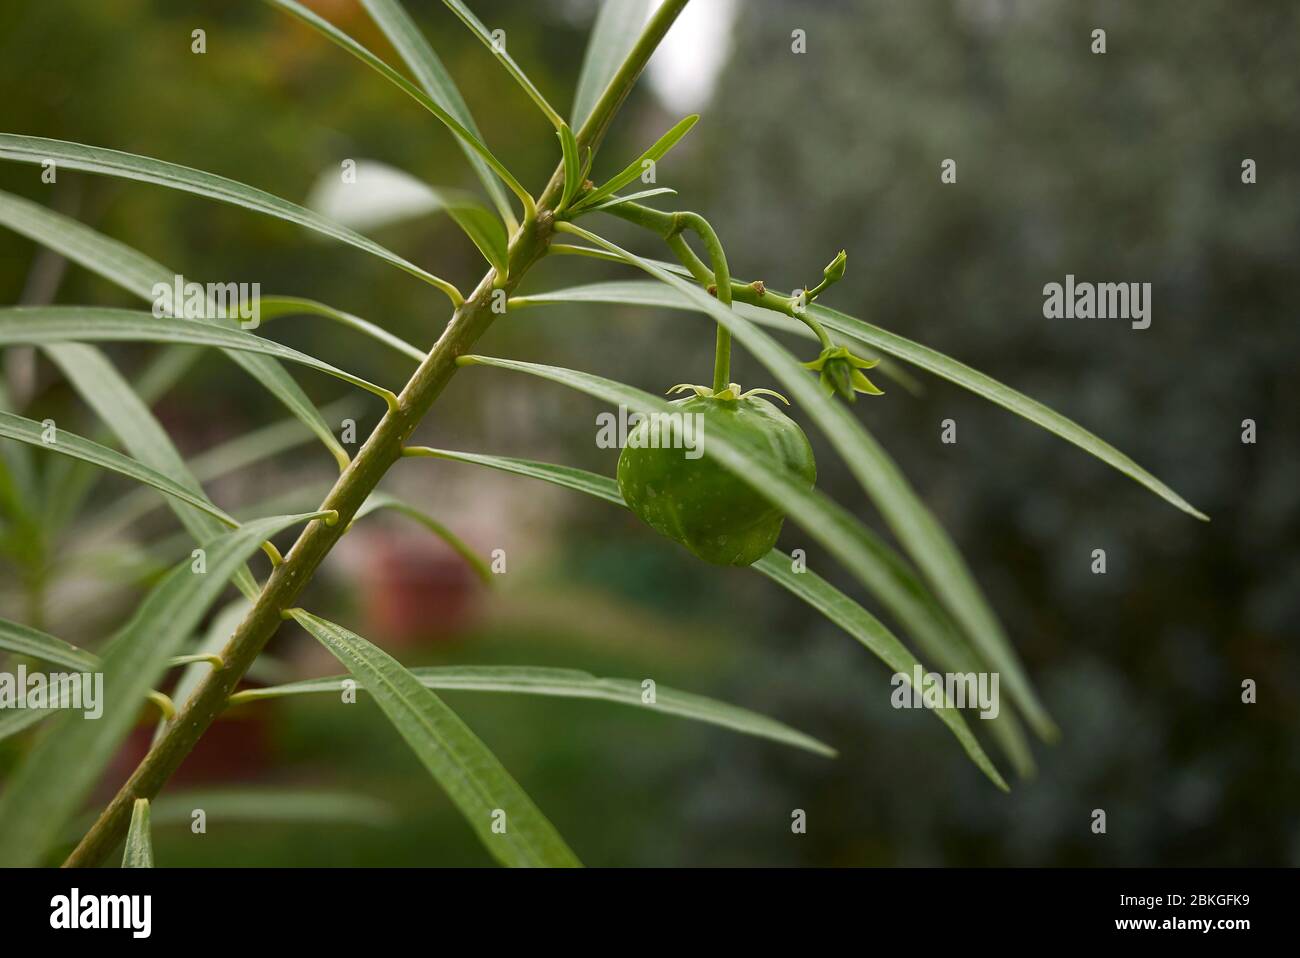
[[667, 226], [381, 450]]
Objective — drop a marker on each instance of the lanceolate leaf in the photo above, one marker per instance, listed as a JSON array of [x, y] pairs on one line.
[[638, 167], [220, 460], [138, 274], [891, 344], [261, 805], [139, 844], [601, 487], [570, 683], [572, 166], [921, 535], [13, 721], [69, 444], [337, 36], [484, 229], [433, 77], [630, 198], [642, 293], [120, 409], [382, 500], [498, 47], [869, 631], [836, 606], [275, 307], [618, 24], [473, 779], [989, 388], [22, 640], [67, 324], [93, 159], [53, 779]]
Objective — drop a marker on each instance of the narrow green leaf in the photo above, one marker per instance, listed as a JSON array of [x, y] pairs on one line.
[[891, 344], [53, 779], [570, 683], [276, 307], [630, 198], [93, 159], [138, 274], [258, 805], [601, 487], [635, 169], [434, 79], [39, 325], [341, 39], [22, 640], [102, 387], [484, 229], [13, 721], [220, 460], [921, 535], [873, 635], [618, 24], [989, 388], [836, 606], [498, 48], [382, 500], [572, 166], [644, 293], [655, 294], [139, 846], [471, 776], [69, 444], [111, 259]]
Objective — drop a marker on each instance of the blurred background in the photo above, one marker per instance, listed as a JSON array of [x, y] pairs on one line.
[[1117, 167]]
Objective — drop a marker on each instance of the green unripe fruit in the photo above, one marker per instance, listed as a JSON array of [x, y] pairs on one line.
[[699, 503]]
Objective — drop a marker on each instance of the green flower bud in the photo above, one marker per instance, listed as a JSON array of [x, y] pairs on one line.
[[835, 271]]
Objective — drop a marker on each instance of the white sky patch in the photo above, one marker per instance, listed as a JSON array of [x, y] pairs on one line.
[[686, 67]]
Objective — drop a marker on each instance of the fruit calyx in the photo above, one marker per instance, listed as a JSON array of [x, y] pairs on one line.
[[730, 394], [841, 373]]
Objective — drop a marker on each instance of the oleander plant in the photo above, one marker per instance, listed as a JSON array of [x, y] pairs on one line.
[[716, 467]]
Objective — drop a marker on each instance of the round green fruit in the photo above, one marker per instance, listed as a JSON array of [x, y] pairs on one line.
[[696, 501]]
